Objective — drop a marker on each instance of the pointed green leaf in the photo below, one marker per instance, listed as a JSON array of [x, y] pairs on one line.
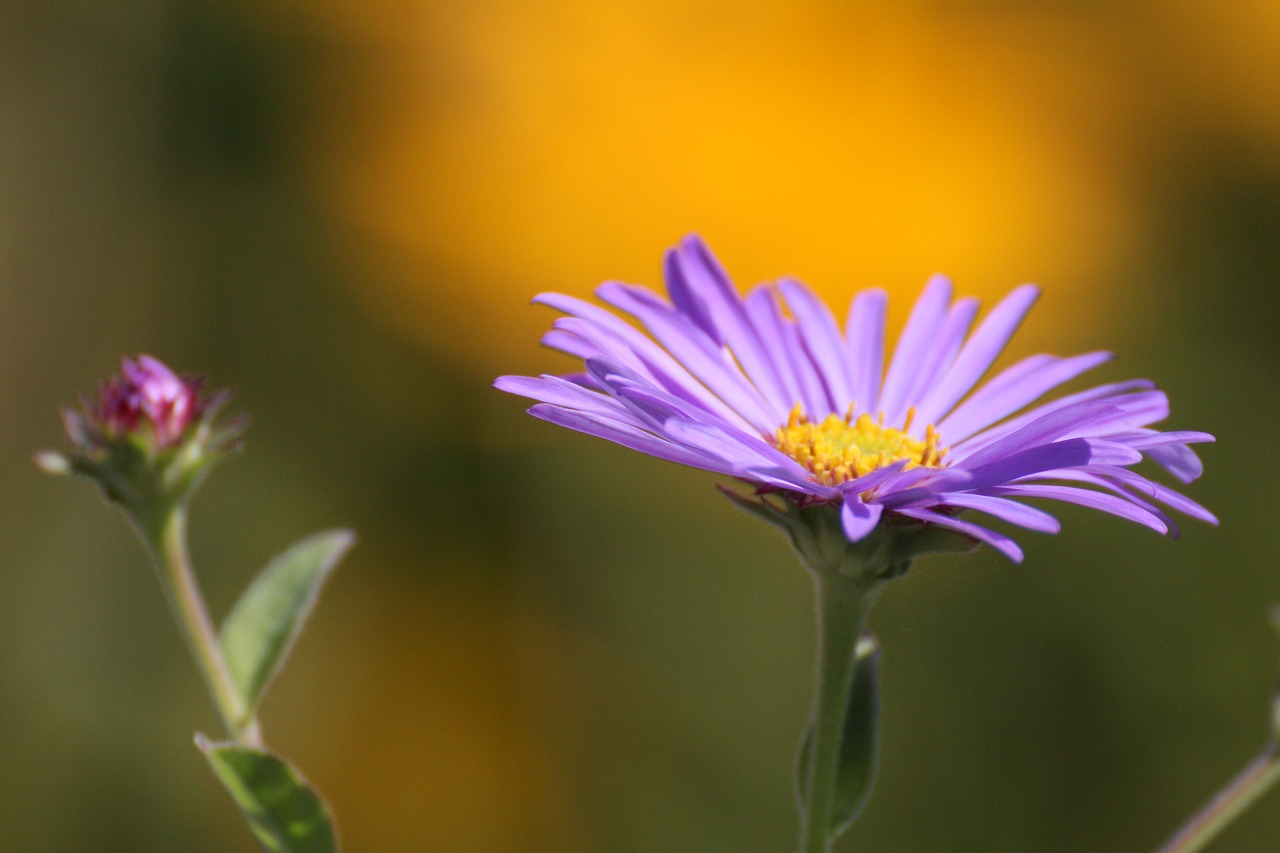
[[856, 769], [283, 811], [257, 636]]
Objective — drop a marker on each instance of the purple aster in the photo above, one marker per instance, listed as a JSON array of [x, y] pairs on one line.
[[766, 388]]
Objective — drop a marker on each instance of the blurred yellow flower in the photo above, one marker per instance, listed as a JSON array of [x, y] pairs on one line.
[[492, 150]]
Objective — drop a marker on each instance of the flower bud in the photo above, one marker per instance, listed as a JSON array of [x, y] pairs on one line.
[[147, 437]]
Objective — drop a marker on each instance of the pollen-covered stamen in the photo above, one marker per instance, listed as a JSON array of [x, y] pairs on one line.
[[840, 449]]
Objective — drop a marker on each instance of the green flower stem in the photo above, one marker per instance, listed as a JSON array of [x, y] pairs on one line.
[[843, 603], [1240, 793], [166, 537]]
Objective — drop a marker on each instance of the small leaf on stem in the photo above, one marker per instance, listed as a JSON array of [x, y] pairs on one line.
[[856, 768], [285, 814], [257, 636]]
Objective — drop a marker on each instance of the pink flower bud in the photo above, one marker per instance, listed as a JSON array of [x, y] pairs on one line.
[[148, 436], [147, 395]]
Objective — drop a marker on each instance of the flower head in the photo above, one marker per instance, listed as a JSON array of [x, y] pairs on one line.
[[147, 395], [768, 389], [147, 436]]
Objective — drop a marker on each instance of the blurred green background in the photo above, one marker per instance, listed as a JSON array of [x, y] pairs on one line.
[[546, 643]]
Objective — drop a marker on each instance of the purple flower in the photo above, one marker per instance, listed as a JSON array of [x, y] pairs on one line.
[[768, 389]]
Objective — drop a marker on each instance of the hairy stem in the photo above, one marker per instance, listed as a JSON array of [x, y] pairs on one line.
[[166, 538], [843, 604]]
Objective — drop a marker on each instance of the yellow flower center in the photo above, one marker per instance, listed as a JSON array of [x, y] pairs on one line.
[[840, 449]]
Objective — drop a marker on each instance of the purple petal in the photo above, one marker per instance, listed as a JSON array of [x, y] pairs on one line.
[[865, 333], [1092, 476], [813, 392], [688, 297], [1100, 394], [694, 350], [621, 349], [1120, 480], [649, 404], [999, 541], [747, 456], [927, 319], [1147, 438], [981, 351], [1071, 453], [1104, 452], [567, 343], [616, 351], [935, 360], [921, 485], [643, 347], [1019, 386], [1179, 460], [858, 518], [870, 481], [761, 305], [1171, 528], [822, 340], [1134, 411], [561, 392], [1046, 428], [1011, 511], [795, 369], [646, 355], [700, 273], [692, 269], [628, 436], [656, 407], [1087, 498]]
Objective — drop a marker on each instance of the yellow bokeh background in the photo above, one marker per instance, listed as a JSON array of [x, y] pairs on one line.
[[529, 147]]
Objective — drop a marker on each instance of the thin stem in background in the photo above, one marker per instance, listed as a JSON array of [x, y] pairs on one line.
[[1240, 793]]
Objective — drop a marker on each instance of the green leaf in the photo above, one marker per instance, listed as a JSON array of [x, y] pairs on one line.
[[285, 814], [257, 636], [856, 769]]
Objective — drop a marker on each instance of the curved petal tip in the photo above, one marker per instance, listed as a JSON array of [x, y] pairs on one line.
[[858, 518]]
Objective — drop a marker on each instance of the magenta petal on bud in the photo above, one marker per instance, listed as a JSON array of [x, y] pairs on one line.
[[157, 385], [153, 393], [147, 397], [148, 437]]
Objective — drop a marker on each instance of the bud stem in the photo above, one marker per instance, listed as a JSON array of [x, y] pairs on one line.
[[166, 537]]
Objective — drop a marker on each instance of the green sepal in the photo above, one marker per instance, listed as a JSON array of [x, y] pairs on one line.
[[760, 507], [133, 470], [859, 742], [284, 812], [258, 634], [816, 533]]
